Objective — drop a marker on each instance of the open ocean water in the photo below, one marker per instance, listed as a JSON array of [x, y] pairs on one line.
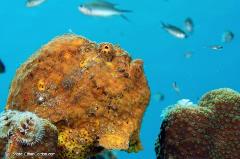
[[24, 30]]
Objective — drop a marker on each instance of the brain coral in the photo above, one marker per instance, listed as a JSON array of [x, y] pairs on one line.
[[81, 86], [24, 132], [210, 130]]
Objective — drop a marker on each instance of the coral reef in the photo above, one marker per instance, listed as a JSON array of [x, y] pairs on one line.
[[3, 143], [28, 130], [95, 94], [23, 134], [7, 120], [209, 130]]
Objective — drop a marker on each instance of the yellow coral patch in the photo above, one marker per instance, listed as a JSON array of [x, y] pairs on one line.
[[41, 85], [109, 64], [75, 143], [109, 141]]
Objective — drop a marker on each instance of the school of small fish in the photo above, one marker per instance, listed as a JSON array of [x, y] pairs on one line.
[[103, 8]]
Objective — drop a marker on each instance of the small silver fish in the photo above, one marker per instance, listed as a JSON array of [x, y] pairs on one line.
[[188, 54], [2, 67], [159, 96], [175, 87], [227, 37], [188, 23], [216, 47], [34, 3], [175, 31], [102, 8]]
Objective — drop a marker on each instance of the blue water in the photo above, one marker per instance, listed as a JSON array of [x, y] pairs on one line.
[[24, 30]]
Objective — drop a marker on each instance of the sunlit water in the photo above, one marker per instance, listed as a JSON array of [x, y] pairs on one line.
[[24, 30]]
